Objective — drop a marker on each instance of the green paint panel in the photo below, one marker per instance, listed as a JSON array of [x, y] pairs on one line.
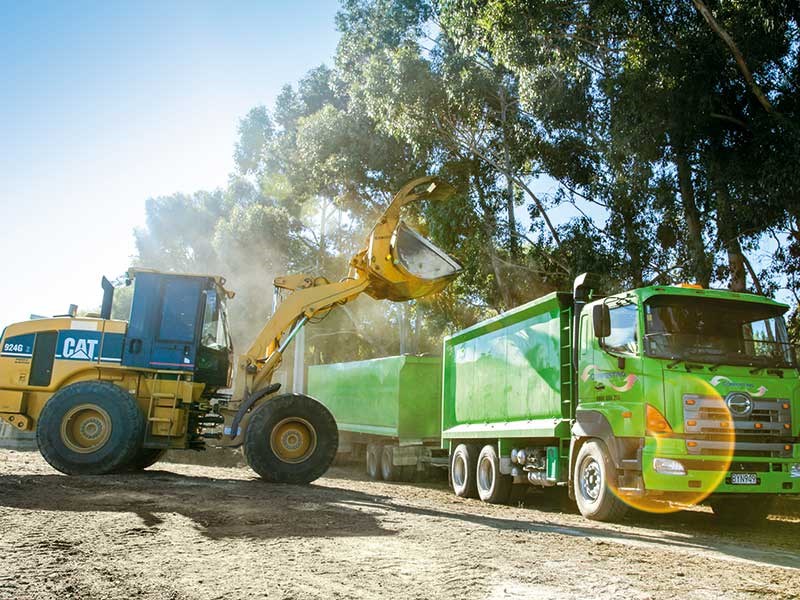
[[510, 369], [397, 396]]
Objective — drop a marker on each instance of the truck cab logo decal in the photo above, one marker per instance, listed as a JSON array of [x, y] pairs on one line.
[[628, 379], [739, 403], [721, 380]]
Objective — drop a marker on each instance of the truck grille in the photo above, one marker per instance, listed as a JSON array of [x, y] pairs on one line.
[[755, 426]]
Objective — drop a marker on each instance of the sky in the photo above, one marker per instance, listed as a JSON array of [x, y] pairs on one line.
[[103, 105]]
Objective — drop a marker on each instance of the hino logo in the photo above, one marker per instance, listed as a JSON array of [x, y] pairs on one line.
[[739, 403]]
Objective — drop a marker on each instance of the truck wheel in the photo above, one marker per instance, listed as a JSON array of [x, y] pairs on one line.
[[493, 486], [291, 438], [145, 457], [90, 428], [389, 470], [374, 452], [463, 466], [742, 511], [591, 480]]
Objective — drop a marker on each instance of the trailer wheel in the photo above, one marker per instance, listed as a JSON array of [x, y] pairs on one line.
[[374, 452], [145, 457], [493, 486], [592, 476], [463, 467], [742, 511], [291, 438], [389, 470], [90, 428]]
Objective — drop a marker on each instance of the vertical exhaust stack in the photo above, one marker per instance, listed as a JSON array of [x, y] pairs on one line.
[[398, 263], [108, 298]]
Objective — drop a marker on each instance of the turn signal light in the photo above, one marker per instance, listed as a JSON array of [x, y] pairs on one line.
[[690, 402], [656, 423], [759, 426], [691, 423], [785, 405]]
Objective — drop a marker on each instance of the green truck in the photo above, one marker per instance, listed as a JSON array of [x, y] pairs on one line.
[[656, 398], [388, 411]]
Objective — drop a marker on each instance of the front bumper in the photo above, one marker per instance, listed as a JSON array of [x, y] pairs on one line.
[[708, 474]]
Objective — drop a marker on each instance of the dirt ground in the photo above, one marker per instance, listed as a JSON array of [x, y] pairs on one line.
[[195, 532]]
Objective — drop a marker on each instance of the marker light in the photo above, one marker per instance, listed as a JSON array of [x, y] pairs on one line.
[[667, 466], [656, 423]]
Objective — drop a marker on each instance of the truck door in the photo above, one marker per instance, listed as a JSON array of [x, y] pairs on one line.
[[616, 365]]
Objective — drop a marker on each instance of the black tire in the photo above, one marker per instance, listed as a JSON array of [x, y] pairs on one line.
[[390, 471], [145, 457], [493, 486], [463, 466], [373, 461], [90, 428], [742, 511], [305, 449], [593, 479]]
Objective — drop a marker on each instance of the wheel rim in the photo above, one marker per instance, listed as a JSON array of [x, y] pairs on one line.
[[293, 440], [591, 479], [459, 470], [485, 474], [85, 428]]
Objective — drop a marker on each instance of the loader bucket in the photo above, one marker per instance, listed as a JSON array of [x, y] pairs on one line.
[[399, 263]]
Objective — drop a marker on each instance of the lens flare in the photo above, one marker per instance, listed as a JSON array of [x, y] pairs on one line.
[[705, 425]]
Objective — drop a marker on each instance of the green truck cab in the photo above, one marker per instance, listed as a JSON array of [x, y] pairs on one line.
[[656, 398]]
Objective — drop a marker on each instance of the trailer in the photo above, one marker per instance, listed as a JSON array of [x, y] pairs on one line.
[[388, 412], [656, 398]]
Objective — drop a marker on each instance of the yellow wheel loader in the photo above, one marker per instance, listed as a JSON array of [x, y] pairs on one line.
[[107, 396]]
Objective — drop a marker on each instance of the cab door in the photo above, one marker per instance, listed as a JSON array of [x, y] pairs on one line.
[[175, 343]]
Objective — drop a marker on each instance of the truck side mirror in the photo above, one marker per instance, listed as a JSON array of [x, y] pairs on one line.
[[601, 319]]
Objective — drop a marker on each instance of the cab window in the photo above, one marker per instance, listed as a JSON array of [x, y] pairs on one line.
[[623, 330]]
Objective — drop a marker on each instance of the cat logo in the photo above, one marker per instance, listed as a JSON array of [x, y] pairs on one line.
[[79, 349]]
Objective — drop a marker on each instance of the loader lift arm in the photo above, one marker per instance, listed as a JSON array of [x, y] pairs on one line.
[[395, 264]]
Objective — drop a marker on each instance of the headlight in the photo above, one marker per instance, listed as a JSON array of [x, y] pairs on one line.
[[667, 466], [794, 470]]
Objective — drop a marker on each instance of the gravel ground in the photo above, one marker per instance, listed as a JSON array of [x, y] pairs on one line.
[[197, 532]]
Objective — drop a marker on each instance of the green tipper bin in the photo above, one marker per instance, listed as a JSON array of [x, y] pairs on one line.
[[395, 397]]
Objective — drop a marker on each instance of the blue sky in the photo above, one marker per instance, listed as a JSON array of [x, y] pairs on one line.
[[103, 105]]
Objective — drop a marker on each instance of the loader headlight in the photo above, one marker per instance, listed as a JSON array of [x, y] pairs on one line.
[[794, 470], [667, 466]]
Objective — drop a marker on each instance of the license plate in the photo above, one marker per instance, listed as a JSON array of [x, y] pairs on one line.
[[744, 479]]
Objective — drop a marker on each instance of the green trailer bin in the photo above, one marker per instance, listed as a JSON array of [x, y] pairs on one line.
[[388, 411]]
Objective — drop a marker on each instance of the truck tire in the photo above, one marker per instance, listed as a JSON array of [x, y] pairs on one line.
[[463, 467], [390, 471], [592, 475], [291, 438], [373, 461], [145, 457], [493, 486], [90, 428], [742, 511]]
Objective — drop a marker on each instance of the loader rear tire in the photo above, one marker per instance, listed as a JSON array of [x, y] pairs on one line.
[[291, 438], [145, 457], [90, 428]]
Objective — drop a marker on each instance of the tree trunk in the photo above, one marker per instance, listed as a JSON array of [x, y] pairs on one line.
[[729, 240], [488, 228], [700, 264], [513, 243]]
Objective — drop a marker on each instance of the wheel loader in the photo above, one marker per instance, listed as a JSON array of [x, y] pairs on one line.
[[107, 396]]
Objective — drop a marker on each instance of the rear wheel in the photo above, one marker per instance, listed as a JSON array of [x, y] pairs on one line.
[[463, 466], [374, 452], [145, 457], [493, 486], [742, 511], [592, 480], [90, 428], [389, 470], [291, 439]]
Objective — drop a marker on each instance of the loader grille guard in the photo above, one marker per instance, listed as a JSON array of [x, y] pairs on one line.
[[396, 264]]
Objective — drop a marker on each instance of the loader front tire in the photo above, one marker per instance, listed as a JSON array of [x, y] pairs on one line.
[[291, 438], [90, 428]]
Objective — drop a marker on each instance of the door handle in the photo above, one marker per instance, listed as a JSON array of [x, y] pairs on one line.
[[135, 346]]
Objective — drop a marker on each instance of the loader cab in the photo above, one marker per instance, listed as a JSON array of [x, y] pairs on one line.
[[179, 323]]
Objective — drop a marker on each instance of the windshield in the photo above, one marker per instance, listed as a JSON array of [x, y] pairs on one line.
[[717, 331], [215, 328]]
